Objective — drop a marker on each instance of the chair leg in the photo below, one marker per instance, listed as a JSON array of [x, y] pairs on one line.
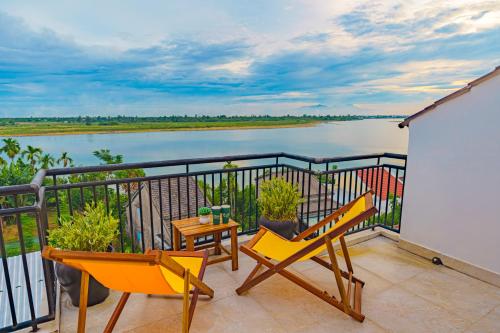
[[346, 254], [336, 272], [116, 313], [185, 305], [253, 272], [249, 278], [344, 274], [273, 269], [252, 282], [84, 294], [192, 305]]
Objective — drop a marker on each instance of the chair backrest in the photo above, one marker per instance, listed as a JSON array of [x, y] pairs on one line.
[[156, 272], [360, 209], [352, 214]]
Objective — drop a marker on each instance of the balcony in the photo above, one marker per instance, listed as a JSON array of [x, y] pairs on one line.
[[403, 292]]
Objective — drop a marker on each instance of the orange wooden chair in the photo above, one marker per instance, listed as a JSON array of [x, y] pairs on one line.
[[266, 246], [153, 273]]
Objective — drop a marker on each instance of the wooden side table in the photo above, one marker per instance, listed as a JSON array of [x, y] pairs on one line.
[[191, 229]]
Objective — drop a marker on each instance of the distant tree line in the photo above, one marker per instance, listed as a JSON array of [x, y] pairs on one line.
[[113, 120]]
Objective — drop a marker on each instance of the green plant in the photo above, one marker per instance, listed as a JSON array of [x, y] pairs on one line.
[[204, 211], [92, 230], [328, 178], [278, 200]]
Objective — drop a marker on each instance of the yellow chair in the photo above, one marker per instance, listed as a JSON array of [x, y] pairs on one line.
[[155, 272], [266, 246]]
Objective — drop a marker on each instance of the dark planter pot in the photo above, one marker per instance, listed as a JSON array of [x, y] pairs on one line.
[[284, 229], [70, 279]]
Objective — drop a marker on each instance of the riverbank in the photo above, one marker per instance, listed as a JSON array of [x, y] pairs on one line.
[[58, 128]]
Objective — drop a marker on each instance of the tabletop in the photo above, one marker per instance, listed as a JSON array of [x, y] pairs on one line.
[[192, 227]]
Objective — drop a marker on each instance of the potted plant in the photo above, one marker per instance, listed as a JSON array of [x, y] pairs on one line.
[[204, 213], [91, 230], [278, 201]]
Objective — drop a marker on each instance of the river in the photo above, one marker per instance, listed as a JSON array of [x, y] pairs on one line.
[[322, 140]]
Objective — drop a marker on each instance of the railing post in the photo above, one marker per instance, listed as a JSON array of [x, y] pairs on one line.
[[377, 196], [402, 197], [48, 267]]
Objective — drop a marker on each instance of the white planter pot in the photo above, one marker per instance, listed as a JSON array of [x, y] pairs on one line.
[[205, 219]]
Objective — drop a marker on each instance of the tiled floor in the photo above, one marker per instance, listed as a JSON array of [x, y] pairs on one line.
[[403, 293]]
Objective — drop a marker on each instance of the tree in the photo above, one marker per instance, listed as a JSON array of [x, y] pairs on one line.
[[46, 161], [328, 178], [11, 148], [243, 200], [231, 195], [105, 156], [2, 162], [32, 154], [65, 159], [394, 214]]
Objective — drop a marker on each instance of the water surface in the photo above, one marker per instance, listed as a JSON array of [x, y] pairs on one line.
[[322, 140]]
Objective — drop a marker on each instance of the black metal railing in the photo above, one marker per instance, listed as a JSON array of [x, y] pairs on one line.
[[28, 294], [146, 197]]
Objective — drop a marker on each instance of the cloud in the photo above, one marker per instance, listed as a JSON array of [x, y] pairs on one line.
[[430, 76], [238, 67], [315, 106], [165, 57], [285, 96]]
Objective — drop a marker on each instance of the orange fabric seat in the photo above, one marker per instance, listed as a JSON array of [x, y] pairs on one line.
[[138, 277], [155, 272]]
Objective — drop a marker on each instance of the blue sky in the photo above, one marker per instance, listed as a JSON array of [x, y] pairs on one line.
[[66, 58]]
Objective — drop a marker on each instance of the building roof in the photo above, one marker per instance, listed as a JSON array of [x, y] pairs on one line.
[[175, 198], [20, 290], [385, 179], [451, 96]]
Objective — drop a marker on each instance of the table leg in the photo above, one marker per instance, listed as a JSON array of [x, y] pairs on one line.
[[217, 240], [234, 248], [190, 243], [177, 239]]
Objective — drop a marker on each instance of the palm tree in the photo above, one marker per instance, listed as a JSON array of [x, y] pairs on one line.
[[2, 161], [11, 148], [32, 154], [65, 159], [46, 161]]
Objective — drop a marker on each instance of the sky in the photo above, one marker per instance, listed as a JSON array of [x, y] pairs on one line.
[[148, 58]]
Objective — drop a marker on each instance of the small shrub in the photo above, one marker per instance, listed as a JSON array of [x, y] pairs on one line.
[[203, 211], [278, 200], [91, 230]]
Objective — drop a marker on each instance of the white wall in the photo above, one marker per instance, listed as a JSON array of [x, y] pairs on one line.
[[452, 192]]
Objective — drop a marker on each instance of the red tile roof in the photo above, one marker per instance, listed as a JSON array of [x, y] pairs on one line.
[[384, 178]]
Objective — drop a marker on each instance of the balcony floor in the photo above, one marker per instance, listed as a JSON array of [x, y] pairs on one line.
[[403, 293]]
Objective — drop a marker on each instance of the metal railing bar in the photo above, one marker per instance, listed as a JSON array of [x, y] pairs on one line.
[[387, 195], [42, 227], [157, 164], [188, 192], [24, 261], [216, 159], [106, 198], [394, 198], [8, 284], [309, 195], [54, 179], [118, 205], [160, 195], [131, 217], [151, 221]]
